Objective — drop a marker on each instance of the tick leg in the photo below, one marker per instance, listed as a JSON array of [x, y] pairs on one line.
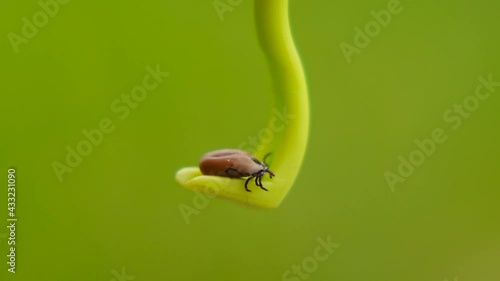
[[257, 183], [235, 170], [265, 157], [246, 183], [260, 184]]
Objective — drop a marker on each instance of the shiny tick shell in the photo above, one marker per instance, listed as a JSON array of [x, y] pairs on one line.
[[234, 163]]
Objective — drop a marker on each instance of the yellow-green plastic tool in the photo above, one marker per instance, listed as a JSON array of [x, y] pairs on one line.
[[288, 145]]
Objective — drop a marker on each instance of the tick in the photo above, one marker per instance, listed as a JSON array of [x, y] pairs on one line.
[[235, 163]]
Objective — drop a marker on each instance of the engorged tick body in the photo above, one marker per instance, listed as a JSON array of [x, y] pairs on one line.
[[234, 163]]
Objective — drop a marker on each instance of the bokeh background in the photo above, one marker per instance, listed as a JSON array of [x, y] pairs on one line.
[[118, 210]]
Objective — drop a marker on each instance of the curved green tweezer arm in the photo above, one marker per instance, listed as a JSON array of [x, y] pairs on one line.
[[289, 145]]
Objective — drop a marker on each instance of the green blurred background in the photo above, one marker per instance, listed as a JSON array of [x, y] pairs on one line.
[[119, 209]]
